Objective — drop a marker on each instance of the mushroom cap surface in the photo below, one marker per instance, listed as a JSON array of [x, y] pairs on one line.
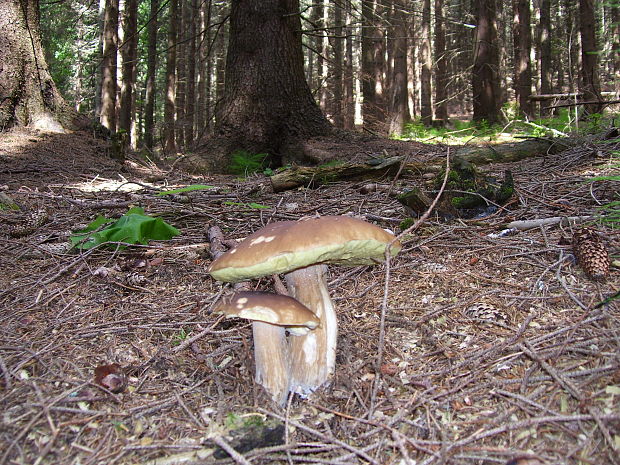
[[270, 308], [285, 246]]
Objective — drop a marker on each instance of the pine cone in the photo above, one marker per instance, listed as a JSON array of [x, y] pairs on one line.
[[30, 223], [484, 311], [591, 253]]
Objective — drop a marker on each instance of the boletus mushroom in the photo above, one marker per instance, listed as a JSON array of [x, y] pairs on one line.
[[301, 249], [271, 314]]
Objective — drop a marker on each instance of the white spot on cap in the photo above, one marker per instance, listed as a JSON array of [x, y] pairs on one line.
[[232, 251], [270, 238], [258, 240], [242, 300]]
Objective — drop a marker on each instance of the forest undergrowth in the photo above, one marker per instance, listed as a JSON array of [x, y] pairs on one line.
[[497, 346]]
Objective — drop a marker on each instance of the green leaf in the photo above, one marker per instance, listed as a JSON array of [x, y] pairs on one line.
[[193, 187], [134, 227]]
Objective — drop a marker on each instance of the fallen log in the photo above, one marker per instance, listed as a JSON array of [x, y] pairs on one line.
[[376, 168]]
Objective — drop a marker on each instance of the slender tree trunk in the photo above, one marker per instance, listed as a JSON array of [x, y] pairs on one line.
[[522, 39], [589, 82], [28, 95], [544, 45], [108, 82], [202, 90], [615, 47], [426, 110], [373, 64], [170, 145], [486, 92], [441, 66], [190, 112], [349, 83], [337, 46], [399, 108], [571, 69], [181, 45], [129, 54], [151, 69]]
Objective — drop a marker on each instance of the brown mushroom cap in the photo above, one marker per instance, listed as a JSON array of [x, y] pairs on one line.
[[270, 308], [284, 246]]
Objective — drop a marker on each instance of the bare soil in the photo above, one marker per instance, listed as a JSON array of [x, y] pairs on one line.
[[469, 348]]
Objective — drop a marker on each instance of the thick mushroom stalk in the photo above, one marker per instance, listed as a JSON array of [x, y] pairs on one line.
[[271, 315], [313, 356], [271, 360]]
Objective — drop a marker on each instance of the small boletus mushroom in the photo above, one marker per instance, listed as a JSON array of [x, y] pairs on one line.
[[271, 314], [301, 249]]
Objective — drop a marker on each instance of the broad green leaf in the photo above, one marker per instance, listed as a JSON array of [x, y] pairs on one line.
[[134, 227]]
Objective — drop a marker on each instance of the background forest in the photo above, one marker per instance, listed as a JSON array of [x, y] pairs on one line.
[[377, 63]]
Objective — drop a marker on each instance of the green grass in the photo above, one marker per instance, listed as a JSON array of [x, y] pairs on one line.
[[466, 132]]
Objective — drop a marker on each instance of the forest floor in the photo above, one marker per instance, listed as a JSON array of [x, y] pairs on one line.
[[496, 347]]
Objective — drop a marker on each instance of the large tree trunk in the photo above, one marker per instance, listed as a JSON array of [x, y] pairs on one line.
[[267, 104], [485, 79], [337, 42], [28, 95]]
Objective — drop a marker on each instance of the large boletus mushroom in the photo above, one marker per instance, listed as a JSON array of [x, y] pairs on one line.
[[301, 249], [271, 314]]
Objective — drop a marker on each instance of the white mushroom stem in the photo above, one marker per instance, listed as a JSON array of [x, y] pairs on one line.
[[271, 360], [313, 356]]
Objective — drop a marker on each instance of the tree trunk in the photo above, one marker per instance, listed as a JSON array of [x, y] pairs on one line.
[[426, 110], [28, 95], [190, 87], [399, 108], [485, 81], [337, 41], [615, 47], [129, 53], [108, 68], [441, 68], [151, 68], [372, 67], [522, 49], [589, 83], [181, 76], [349, 82], [170, 145], [267, 104], [544, 46]]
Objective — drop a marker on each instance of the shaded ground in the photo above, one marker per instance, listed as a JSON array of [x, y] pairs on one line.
[[495, 347]]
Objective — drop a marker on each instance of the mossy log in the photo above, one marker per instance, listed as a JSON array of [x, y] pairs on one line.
[[376, 168]]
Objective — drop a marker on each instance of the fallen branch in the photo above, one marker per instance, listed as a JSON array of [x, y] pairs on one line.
[[523, 225]]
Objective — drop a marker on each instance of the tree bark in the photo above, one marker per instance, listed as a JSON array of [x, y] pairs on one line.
[[486, 93], [372, 67], [267, 104], [589, 82], [522, 49], [399, 108], [181, 76], [108, 68], [170, 145], [129, 53], [426, 110], [349, 82], [151, 68], [337, 41], [190, 87], [28, 95], [441, 68], [544, 45]]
